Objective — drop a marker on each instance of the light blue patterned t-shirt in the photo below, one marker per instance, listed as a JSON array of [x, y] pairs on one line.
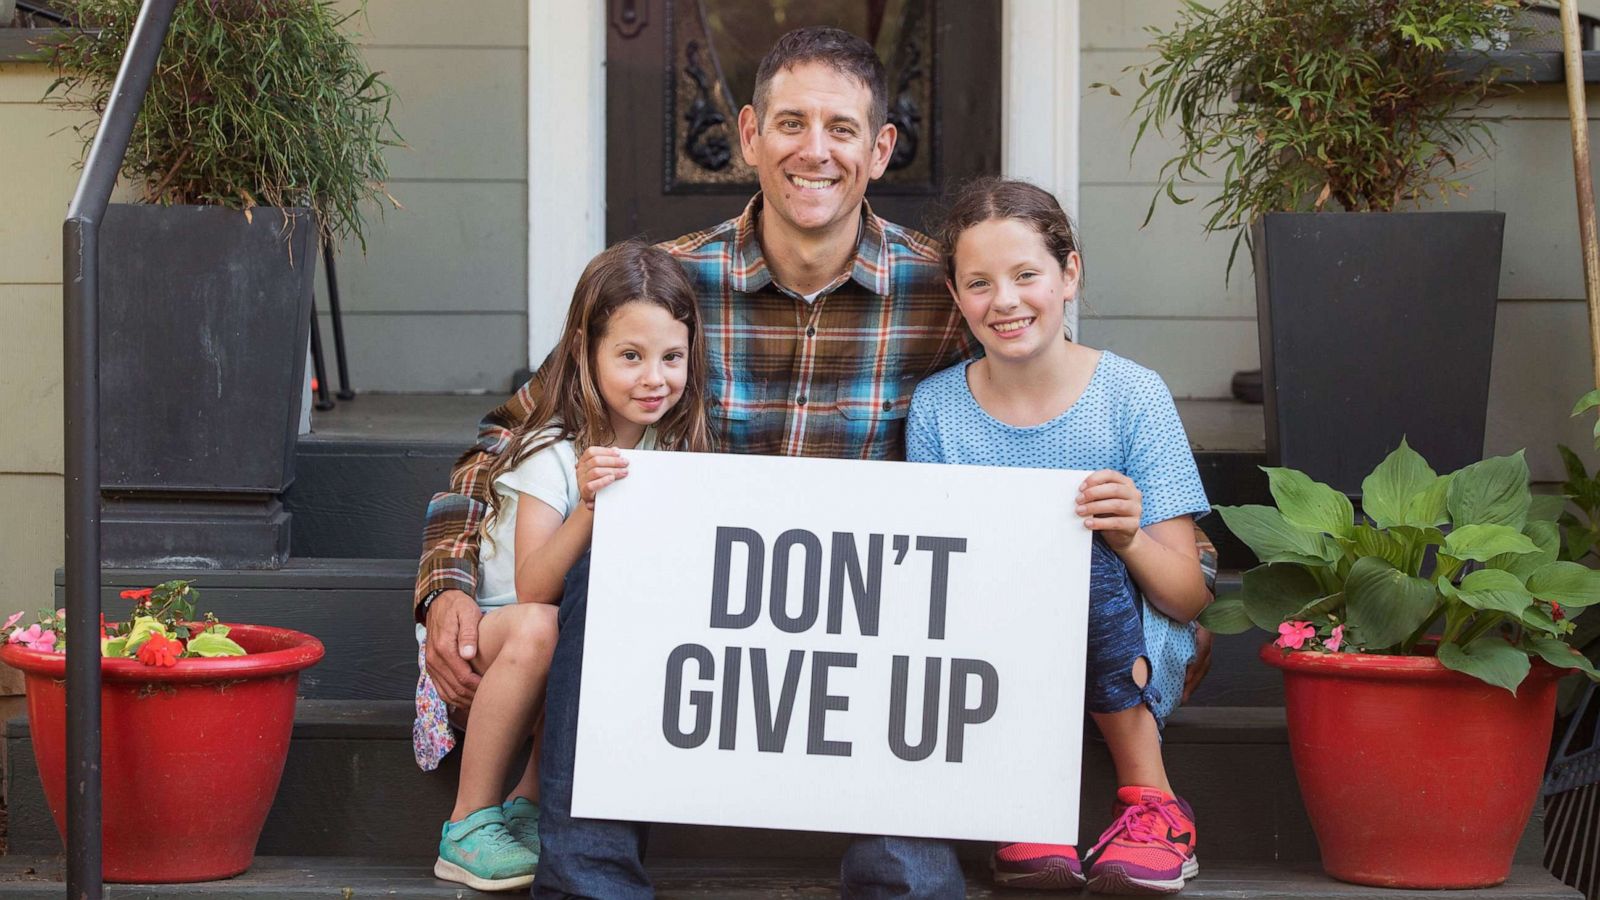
[[1125, 420]]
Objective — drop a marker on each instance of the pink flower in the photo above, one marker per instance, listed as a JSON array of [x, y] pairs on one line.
[[35, 637], [11, 621], [1293, 635], [1333, 640]]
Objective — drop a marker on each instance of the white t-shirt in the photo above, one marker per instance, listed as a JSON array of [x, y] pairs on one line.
[[550, 477]]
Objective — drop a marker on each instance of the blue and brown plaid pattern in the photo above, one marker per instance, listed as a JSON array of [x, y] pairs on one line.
[[830, 378]]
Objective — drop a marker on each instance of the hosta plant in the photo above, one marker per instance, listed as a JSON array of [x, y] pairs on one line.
[[1464, 566]]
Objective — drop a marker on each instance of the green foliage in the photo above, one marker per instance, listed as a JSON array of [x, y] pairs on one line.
[[1468, 557], [168, 609], [1580, 529], [254, 102], [1307, 103]]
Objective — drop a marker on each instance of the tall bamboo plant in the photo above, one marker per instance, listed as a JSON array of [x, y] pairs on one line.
[[1311, 104], [253, 103]]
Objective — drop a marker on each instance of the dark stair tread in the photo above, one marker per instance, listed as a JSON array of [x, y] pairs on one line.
[[288, 876], [391, 720]]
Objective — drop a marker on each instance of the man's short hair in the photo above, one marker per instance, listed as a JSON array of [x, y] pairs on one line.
[[835, 48]]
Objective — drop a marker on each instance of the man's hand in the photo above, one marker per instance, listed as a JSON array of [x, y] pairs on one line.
[[1200, 665], [452, 641]]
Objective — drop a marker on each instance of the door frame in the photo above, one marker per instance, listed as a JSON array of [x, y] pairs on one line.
[[567, 96]]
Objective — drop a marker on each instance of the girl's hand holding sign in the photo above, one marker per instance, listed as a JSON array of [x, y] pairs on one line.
[[1111, 504], [598, 467]]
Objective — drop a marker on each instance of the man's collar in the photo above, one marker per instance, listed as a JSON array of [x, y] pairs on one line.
[[869, 268]]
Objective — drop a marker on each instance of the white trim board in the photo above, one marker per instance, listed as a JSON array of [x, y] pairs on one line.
[[566, 135], [566, 159], [1040, 105]]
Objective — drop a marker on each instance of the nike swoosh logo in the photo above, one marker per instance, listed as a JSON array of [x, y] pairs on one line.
[[1186, 837]]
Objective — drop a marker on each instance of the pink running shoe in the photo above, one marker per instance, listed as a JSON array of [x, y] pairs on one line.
[[1045, 867], [1149, 848]]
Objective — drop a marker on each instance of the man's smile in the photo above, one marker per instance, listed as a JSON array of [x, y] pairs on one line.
[[812, 184]]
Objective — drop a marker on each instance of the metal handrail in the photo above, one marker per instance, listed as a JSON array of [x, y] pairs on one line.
[[81, 373]]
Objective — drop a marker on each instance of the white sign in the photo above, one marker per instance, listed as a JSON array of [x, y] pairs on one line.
[[822, 645]]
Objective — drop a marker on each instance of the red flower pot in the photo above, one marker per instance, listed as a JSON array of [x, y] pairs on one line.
[[226, 721], [1414, 775]]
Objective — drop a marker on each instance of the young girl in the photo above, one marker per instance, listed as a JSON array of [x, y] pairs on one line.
[[1038, 399], [629, 373]]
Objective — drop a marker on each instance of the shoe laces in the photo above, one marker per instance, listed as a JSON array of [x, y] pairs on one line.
[[1141, 822], [500, 838]]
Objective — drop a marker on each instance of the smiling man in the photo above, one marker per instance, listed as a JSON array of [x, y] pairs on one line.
[[820, 320]]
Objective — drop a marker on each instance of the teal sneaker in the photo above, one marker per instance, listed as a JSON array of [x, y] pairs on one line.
[[522, 820], [480, 852]]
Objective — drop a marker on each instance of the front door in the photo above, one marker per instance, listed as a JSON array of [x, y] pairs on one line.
[[678, 71]]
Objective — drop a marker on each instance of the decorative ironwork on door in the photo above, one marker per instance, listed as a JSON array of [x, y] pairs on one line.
[[714, 46]]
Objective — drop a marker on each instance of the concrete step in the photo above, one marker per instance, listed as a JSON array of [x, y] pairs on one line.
[[351, 788], [34, 878]]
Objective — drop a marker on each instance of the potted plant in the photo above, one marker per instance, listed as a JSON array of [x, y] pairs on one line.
[[1420, 644], [184, 702], [261, 132], [1315, 115]]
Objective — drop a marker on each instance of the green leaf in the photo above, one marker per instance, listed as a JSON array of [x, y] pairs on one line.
[[1491, 492], [1383, 604], [1491, 589], [1321, 606], [1401, 476], [1274, 539], [143, 627], [1586, 402], [209, 643], [1489, 659], [1310, 504], [1369, 541], [1576, 471], [1567, 583], [1428, 508], [1546, 507], [1275, 591], [1226, 615], [1557, 653], [114, 647], [1546, 538], [1536, 618], [1481, 542]]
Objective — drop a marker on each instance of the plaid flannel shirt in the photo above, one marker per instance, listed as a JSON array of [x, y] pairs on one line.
[[830, 378]]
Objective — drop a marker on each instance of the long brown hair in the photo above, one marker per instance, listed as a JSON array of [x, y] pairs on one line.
[[567, 403], [983, 199]]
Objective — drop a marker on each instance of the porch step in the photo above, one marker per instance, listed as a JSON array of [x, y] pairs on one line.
[[361, 611], [351, 788], [364, 475], [34, 878]]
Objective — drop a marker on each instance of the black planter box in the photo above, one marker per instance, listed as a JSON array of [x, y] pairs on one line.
[[204, 323], [1375, 326]]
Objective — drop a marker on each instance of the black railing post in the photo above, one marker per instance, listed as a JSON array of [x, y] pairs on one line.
[[81, 374]]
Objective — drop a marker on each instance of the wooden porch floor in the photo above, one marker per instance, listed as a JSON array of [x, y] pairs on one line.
[[24, 878]]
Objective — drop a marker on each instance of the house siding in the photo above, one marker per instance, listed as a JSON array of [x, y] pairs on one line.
[[439, 302], [1158, 294]]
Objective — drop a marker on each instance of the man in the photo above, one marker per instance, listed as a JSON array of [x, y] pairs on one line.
[[820, 319]]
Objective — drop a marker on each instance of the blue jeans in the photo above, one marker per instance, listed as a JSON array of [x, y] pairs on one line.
[[605, 860]]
